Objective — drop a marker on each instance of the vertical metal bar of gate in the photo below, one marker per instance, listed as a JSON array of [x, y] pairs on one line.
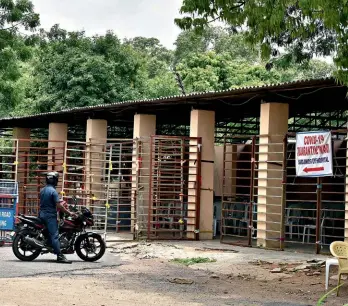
[[181, 196], [107, 203], [198, 185], [16, 172], [64, 176], [119, 178], [251, 200], [318, 223], [16, 162], [53, 156], [283, 199], [136, 193], [149, 213], [158, 195], [222, 227]]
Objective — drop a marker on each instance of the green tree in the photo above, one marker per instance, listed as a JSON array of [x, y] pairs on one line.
[[69, 69], [151, 47], [14, 16], [73, 70], [158, 65], [217, 39], [303, 28], [210, 72]]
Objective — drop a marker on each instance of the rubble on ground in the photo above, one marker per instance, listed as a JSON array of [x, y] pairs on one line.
[[226, 261]]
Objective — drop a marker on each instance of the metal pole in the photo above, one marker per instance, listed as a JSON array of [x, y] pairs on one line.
[[181, 196], [89, 174], [317, 228], [283, 199], [251, 203], [149, 206], [108, 193], [53, 156], [16, 175], [16, 161], [119, 176], [157, 195], [65, 160], [198, 186], [223, 191], [134, 209]]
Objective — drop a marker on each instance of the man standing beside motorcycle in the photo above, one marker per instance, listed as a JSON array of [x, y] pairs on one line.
[[49, 204]]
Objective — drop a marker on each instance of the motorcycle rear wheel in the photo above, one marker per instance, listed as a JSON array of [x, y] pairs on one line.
[[82, 244], [18, 243]]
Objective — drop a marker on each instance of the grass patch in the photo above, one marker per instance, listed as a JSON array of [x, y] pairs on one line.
[[192, 261], [325, 296]]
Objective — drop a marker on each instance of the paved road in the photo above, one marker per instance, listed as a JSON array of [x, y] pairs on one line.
[[10, 266]]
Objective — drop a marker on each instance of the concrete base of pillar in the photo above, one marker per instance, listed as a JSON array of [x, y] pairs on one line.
[[206, 236], [268, 244]]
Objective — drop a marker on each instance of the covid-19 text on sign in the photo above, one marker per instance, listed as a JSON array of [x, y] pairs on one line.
[[314, 154]]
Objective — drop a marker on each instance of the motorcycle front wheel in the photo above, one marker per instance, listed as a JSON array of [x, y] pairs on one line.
[[29, 253], [90, 247]]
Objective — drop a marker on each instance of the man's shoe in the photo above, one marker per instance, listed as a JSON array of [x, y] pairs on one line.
[[62, 259]]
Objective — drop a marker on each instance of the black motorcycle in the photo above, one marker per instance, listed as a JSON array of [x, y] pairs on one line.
[[30, 238]]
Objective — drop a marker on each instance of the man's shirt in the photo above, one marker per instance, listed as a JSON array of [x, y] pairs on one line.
[[48, 200]]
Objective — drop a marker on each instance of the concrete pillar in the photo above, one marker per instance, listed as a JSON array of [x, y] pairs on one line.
[[57, 137], [273, 127], [96, 138], [22, 135], [202, 125], [144, 127]]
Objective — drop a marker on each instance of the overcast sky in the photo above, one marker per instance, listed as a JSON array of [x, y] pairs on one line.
[[127, 18]]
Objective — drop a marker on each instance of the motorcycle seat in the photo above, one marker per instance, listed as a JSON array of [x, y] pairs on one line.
[[36, 220]]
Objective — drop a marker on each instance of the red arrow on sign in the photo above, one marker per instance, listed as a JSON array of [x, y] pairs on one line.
[[313, 169]]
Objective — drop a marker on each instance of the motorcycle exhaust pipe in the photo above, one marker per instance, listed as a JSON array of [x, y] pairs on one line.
[[33, 242]]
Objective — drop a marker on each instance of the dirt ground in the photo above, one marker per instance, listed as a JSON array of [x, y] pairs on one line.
[[148, 276], [275, 276]]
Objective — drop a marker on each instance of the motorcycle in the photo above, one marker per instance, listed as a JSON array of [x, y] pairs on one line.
[[31, 237]]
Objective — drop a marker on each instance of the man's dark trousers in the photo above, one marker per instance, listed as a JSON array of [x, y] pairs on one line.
[[50, 220]]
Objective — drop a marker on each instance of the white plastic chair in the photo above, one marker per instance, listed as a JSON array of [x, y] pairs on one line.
[[329, 262], [234, 219], [244, 222], [291, 222], [307, 228]]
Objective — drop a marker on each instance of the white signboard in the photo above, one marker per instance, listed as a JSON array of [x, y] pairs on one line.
[[314, 154]]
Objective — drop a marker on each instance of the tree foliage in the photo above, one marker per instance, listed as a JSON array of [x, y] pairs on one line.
[[215, 39], [304, 28], [14, 16], [73, 70], [56, 69], [217, 59], [210, 72], [69, 70], [158, 66]]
